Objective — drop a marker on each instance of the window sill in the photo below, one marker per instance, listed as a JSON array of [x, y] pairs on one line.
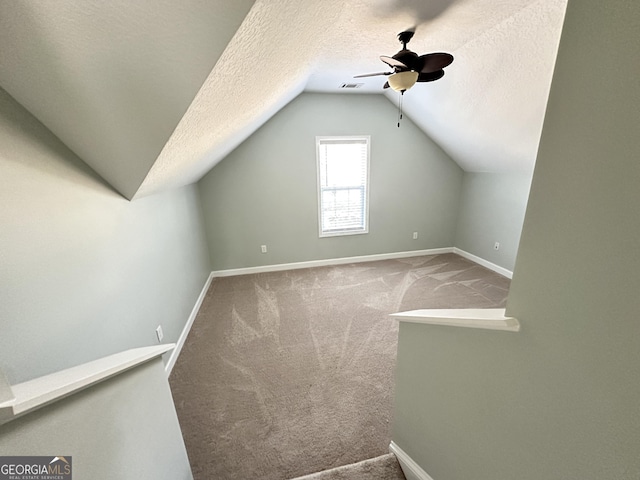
[[343, 234]]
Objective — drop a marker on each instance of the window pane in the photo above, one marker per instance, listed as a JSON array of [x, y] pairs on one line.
[[343, 209], [343, 165]]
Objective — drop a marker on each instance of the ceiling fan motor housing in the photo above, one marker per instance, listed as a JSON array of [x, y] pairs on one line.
[[410, 59]]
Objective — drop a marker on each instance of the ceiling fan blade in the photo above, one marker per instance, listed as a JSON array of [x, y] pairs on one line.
[[386, 85], [430, 76], [432, 62], [392, 62], [372, 74]]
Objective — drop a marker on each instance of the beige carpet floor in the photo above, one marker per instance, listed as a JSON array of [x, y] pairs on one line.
[[289, 373]]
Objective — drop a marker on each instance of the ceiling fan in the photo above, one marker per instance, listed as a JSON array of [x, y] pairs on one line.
[[409, 68]]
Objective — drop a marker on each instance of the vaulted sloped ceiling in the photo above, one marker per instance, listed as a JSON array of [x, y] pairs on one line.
[[153, 93], [113, 78]]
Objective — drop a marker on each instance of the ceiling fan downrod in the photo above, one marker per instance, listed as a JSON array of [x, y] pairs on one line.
[[405, 37]]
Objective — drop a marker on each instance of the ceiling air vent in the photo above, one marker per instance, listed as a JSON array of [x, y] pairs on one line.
[[351, 85]]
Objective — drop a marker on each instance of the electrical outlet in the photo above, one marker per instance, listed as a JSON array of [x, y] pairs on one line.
[[263, 248], [496, 246], [159, 333], [415, 235]]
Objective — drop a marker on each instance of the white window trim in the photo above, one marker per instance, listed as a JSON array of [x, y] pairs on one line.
[[322, 234]]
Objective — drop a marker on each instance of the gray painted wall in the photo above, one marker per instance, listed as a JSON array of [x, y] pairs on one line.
[[83, 272], [492, 210], [265, 193], [89, 426], [559, 399]]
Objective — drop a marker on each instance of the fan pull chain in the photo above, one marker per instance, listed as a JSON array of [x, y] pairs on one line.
[[400, 107]]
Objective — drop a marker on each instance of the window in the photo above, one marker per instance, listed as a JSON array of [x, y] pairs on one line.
[[343, 185]]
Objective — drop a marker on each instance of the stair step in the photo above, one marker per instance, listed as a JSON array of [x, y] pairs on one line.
[[385, 467]]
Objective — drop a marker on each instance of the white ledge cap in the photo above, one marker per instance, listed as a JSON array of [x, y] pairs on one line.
[[16, 400], [485, 318]]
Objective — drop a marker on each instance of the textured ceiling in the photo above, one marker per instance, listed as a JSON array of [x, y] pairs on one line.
[[153, 93], [113, 78], [487, 113]]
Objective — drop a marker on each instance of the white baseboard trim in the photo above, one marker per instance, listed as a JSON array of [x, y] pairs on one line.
[[481, 261], [329, 262], [187, 327], [410, 468]]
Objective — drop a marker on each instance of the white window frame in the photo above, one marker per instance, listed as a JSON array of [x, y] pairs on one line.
[[354, 231]]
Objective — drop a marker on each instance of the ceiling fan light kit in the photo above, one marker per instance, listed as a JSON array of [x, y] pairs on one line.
[[402, 81]]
